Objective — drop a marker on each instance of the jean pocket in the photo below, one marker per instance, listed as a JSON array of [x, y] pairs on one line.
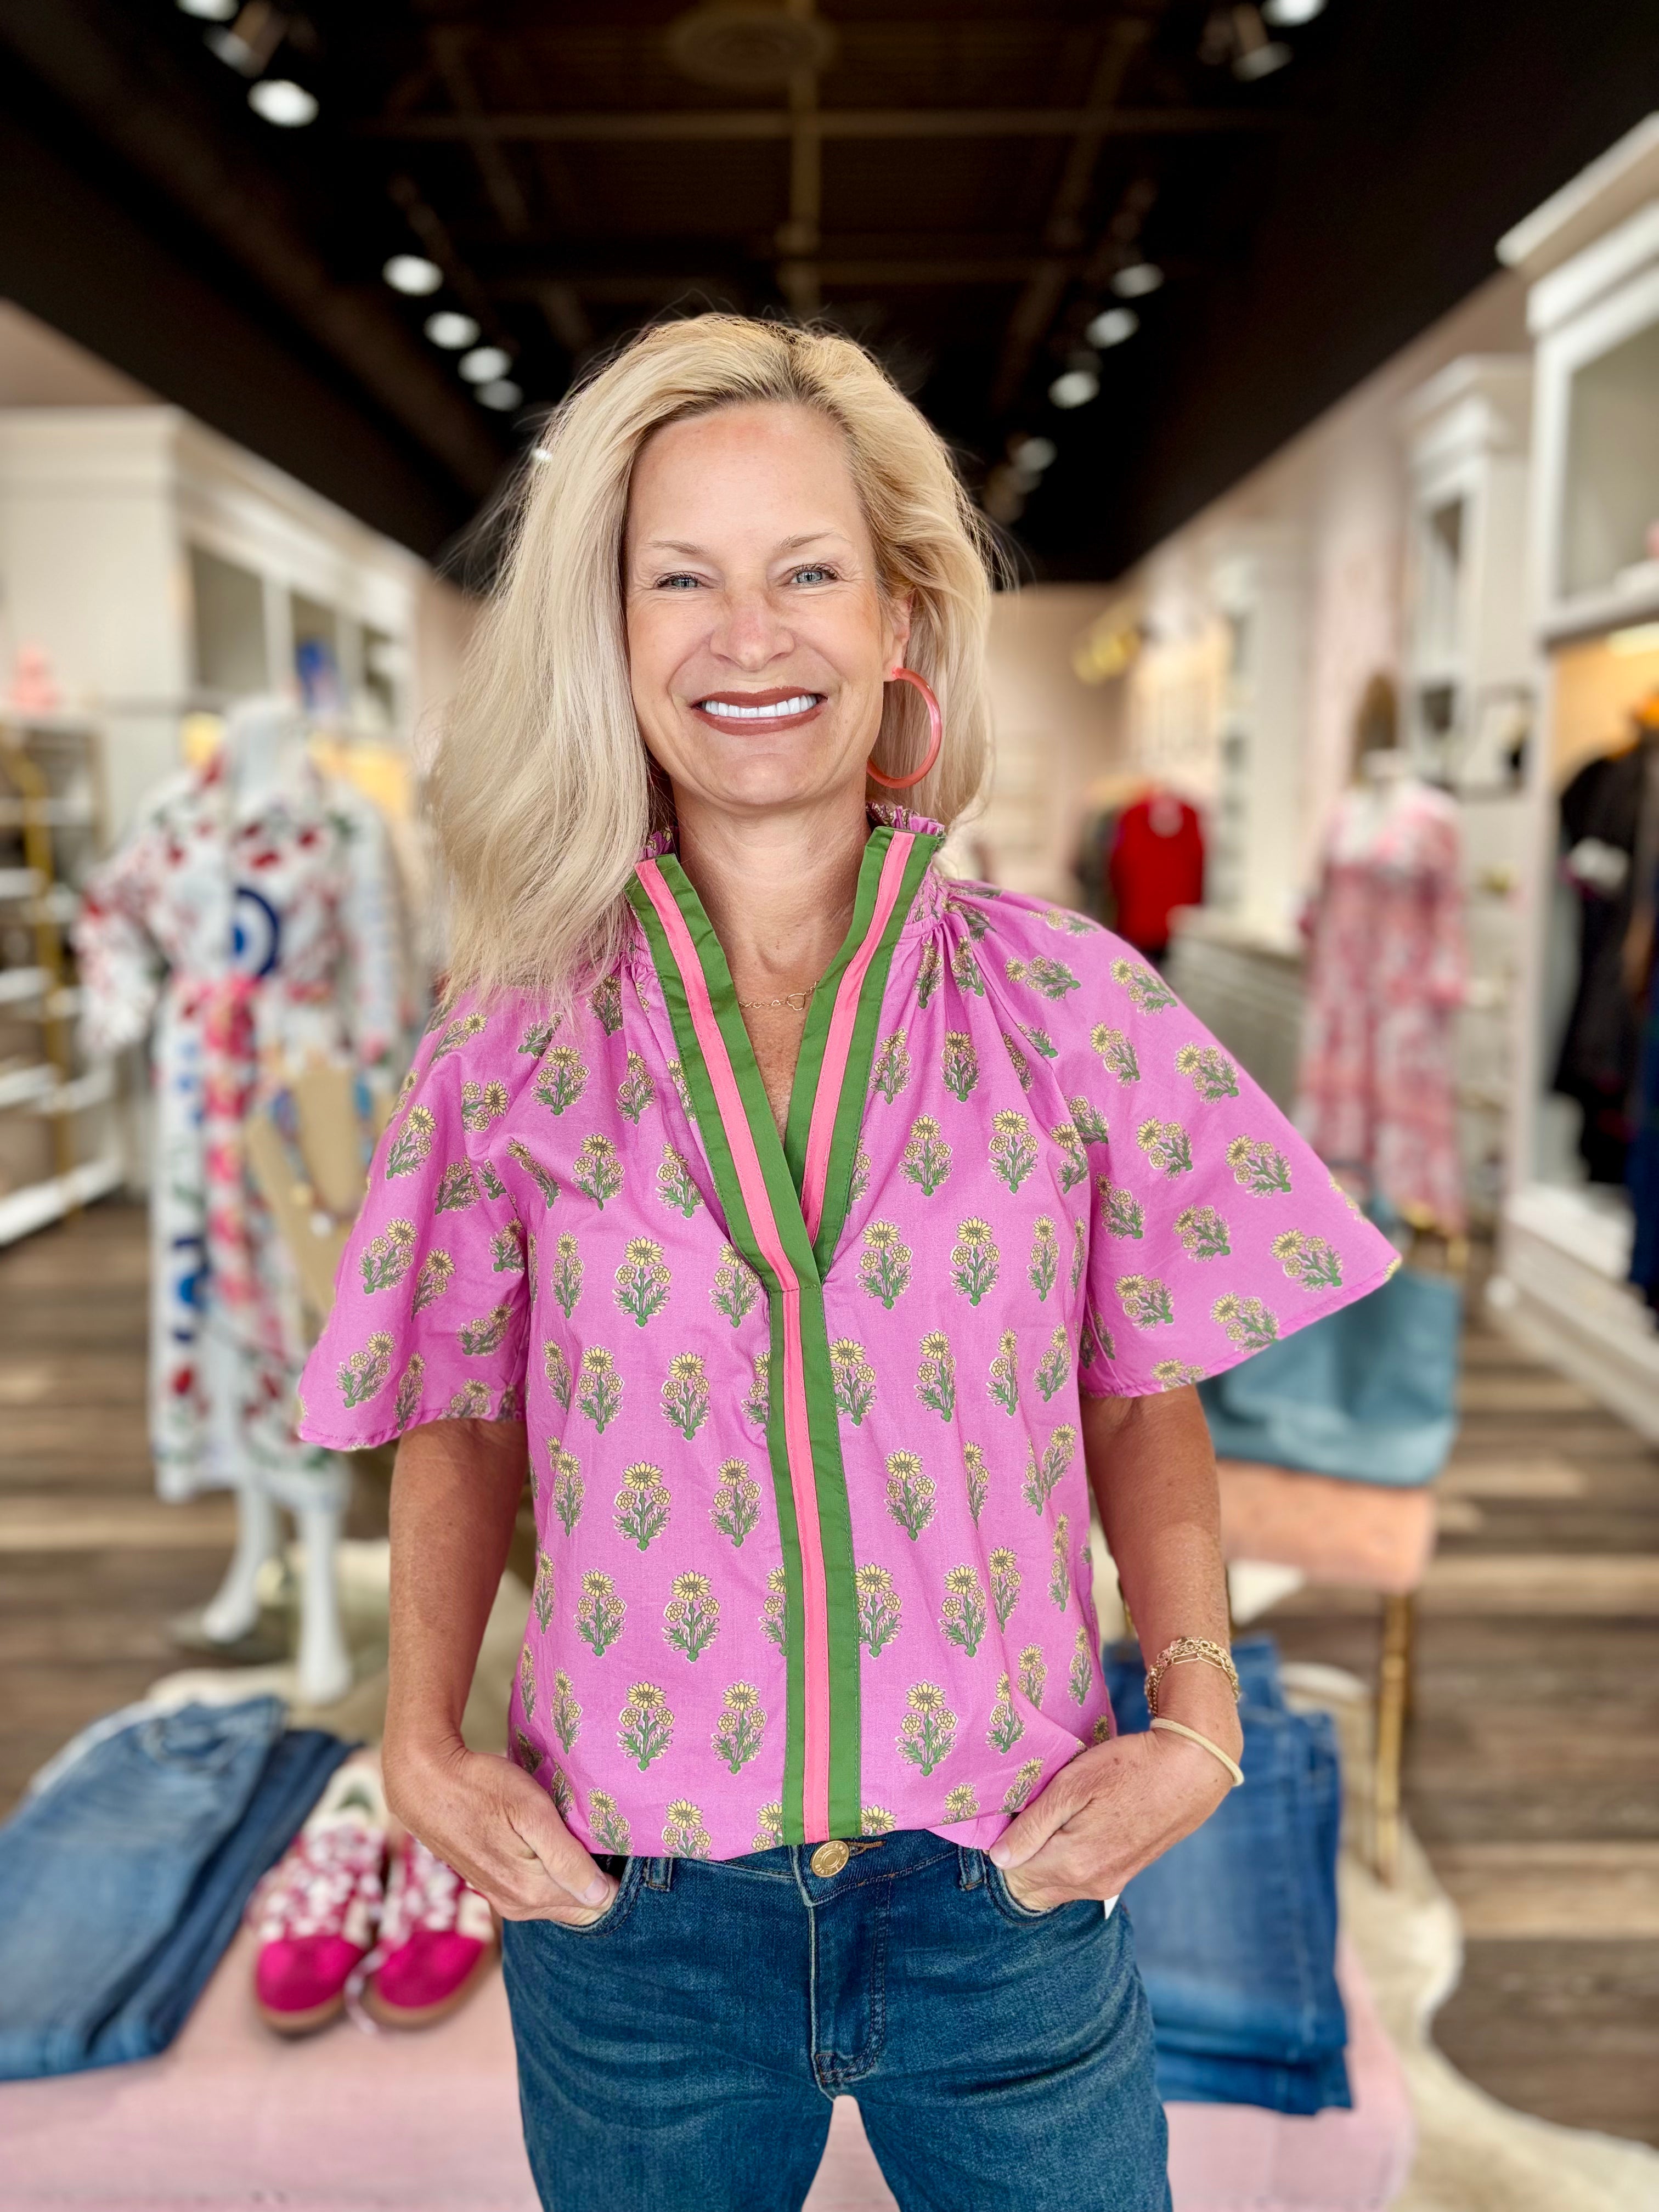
[[997, 1882], [621, 1905]]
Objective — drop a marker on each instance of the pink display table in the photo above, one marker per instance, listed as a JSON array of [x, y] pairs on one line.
[[231, 2119]]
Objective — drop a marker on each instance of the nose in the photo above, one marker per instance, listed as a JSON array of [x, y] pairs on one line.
[[750, 631]]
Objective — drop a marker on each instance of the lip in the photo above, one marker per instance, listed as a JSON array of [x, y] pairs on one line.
[[746, 725]]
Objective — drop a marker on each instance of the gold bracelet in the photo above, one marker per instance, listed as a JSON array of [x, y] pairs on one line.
[[1179, 1727], [1190, 1647]]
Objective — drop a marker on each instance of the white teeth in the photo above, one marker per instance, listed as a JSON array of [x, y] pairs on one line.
[[731, 710]]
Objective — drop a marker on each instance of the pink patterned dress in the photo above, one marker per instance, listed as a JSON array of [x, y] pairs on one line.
[[803, 1414], [1387, 975]]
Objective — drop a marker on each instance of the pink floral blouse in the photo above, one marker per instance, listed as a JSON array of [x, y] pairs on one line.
[[803, 1414]]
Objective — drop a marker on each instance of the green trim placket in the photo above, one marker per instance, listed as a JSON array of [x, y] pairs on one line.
[[782, 1165]]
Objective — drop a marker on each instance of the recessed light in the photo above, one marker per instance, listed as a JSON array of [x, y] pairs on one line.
[[209, 11], [500, 393], [1286, 15], [278, 100], [1112, 327], [413, 275], [484, 364], [451, 331], [1076, 388], [1033, 454], [1254, 62], [1135, 281]]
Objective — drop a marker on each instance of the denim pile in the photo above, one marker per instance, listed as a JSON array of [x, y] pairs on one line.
[[1236, 1926], [124, 1877]]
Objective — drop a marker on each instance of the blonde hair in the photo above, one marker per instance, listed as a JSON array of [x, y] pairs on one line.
[[542, 790]]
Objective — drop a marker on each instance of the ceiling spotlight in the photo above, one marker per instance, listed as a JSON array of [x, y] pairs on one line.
[[1076, 388], [412, 274], [500, 393], [1135, 281], [209, 11], [1286, 15], [484, 364], [1033, 454], [451, 331], [278, 100], [1254, 54], [1112, 327]]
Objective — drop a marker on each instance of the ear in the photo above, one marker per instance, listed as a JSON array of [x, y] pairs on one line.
[[899, 607]]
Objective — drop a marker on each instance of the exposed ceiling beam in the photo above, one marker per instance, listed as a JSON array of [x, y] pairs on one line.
[[105, 69], [877, 271], [714, 124], [449, 49], [1035, 310], [798, 277]]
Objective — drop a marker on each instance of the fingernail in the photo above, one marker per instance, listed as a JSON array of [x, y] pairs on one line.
[[1000, 1855], [597, 1891]]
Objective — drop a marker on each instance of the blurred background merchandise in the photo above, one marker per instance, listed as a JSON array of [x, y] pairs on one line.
[[1307, 355]]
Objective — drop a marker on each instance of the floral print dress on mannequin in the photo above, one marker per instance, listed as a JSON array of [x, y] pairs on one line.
[[250, 940]]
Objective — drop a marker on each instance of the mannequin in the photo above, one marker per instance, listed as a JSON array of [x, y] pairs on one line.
[[1386, 974], [249, 920]]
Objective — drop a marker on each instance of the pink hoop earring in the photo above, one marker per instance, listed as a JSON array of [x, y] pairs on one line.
[[935, 733]]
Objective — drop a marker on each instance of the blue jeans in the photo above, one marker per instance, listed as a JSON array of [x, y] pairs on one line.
[[682, 2054], [122, 1884], [1236, 1925]]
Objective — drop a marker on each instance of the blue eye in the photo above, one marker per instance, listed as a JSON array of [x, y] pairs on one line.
[[677, 583], [818, 572]]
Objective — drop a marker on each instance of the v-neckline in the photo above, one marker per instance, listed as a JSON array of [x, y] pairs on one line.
[[807, 1171]]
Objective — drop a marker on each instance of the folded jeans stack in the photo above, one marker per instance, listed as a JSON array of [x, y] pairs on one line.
[[1236, 1926], [124, 1878]]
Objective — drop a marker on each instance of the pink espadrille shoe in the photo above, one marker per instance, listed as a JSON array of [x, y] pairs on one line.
[[316, 1912], [438, 1941]]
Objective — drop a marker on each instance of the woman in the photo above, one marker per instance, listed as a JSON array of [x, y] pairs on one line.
[[828, 1226]]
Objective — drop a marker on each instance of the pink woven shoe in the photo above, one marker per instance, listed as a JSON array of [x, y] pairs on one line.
[[316, 1912], [438, 1941]]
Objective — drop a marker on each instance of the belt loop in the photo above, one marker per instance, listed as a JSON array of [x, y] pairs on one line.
[[971, 1867], [660, 1873]]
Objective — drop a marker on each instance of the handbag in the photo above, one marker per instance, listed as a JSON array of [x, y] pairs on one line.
[[1369, 1392]]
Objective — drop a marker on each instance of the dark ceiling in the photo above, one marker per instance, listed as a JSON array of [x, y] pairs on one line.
[[957, 182]]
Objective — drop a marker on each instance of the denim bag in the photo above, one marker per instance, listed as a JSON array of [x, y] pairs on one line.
[[1370, 1391]]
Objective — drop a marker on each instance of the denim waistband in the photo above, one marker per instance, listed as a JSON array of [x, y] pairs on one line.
[[869, 1859]]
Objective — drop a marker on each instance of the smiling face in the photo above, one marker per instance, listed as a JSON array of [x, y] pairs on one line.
[[759, 637]]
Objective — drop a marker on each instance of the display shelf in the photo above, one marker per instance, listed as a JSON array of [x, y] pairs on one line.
[[50, 1095], [1590, 256]]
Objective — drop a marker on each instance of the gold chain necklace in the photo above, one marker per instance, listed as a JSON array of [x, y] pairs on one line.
[[797, 1001]]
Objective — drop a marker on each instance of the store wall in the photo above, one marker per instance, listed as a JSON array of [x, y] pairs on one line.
[[1055, 736], [1336, 498]]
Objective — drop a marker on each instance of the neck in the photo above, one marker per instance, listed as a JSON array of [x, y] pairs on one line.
[[779, 888], [259, 737]]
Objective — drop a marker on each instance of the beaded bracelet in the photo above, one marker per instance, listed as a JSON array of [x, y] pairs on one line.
[[1190, 1647]]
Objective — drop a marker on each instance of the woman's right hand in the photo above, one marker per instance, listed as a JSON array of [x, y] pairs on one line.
[[487, 1819]]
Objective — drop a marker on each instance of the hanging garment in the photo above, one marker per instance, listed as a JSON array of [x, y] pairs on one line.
[[1157, 864], [1601, 821], [258, 940], [803, 1414], [1386, 974]]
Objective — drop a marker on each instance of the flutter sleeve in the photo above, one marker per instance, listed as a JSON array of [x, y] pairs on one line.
[[1214, 1229], [431, 1309]]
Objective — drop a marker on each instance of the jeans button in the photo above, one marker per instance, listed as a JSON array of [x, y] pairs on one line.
[[829, 1858]]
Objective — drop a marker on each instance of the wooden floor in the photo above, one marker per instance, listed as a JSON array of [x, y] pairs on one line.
[[1533, 1763]]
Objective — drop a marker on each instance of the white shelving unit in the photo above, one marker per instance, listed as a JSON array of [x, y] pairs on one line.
[[166, 571], [1591, 257], [1470, 699], [59, 1143]]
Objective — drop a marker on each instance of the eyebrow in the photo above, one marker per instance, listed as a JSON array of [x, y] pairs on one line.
[[788, 545]]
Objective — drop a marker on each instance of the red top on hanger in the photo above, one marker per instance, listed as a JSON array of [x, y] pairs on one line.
[[1157, 864]]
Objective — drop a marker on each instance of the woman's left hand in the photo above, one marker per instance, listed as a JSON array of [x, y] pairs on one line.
[[1114, 1809]]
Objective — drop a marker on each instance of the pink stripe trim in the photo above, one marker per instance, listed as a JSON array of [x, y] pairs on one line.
[[839, 1043], [815, 1748]]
